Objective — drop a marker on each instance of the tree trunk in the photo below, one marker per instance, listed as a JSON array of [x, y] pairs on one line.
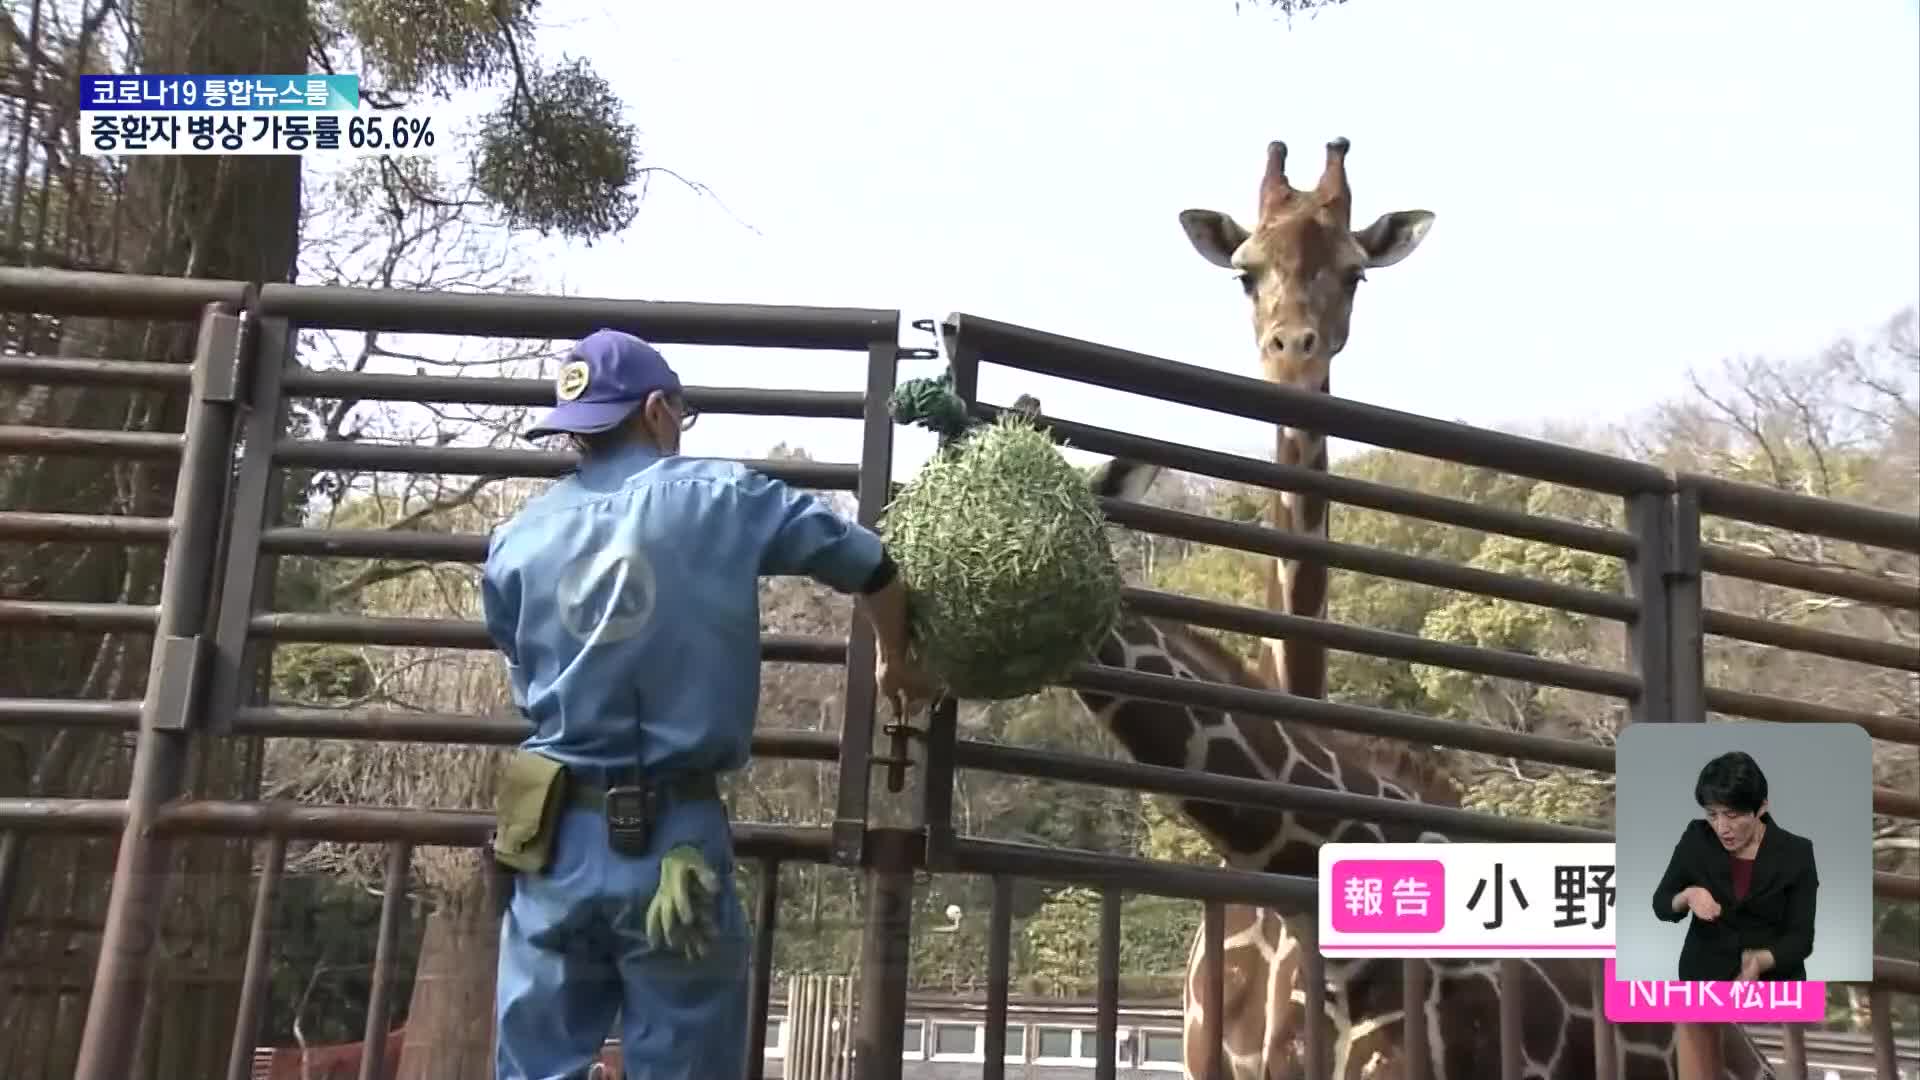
[[210, 217], [449, 1029]]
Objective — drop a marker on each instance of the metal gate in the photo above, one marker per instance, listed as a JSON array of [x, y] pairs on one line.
[[212, 627]]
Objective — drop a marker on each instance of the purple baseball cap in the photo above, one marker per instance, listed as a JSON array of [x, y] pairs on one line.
[[606, 376]]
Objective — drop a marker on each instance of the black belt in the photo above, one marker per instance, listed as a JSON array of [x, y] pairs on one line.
[[695, 788]]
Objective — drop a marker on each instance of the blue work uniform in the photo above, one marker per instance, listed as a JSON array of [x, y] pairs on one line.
[[625, 600]]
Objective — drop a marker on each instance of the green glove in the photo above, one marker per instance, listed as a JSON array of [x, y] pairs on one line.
[[681, 912]]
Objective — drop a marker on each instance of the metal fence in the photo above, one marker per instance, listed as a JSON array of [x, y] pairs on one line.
[[211, 628]]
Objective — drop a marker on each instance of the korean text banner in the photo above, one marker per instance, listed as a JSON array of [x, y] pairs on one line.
[[215, 93]]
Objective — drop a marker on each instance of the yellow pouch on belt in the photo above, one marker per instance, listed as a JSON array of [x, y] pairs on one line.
[[526, 811]]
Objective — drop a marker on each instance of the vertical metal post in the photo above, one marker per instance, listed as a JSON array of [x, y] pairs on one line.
[[373, 1046], [1106, 1023], [1213, 991], [248, 574], [175, 684], [1413, 1005], [1685, 633], [999, 958], [253, 984], [1793, 1047], [1307, 932], [1606, 1048], [1649, 642], [766, 916], [1880, 1022], [856, 732], [885, 952], [943, 721], [1512, 1015]]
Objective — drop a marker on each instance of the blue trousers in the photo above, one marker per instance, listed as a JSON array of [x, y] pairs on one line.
[[574, 957]]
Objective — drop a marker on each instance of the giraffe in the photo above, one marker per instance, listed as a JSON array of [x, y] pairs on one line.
[[1264, 998], [1300, 266]]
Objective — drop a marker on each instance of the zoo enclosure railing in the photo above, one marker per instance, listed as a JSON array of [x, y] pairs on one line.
[[214, 625]]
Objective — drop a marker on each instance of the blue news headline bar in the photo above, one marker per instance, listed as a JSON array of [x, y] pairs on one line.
[[214, 93]]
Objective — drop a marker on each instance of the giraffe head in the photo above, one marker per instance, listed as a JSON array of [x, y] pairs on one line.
[[1302, 262]]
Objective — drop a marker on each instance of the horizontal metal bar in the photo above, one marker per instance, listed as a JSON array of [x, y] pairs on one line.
[[456, 390], [376, 544], [1359, 719], [1391, 644], [58, 615], [77, 617], [971, 855], [1788, 711], [112, 296], [1265, 540], [86, 371], [1886, 654], [1345, 490], [326, 627], [1896, 886], [84, 442], [346, 824], [1261, 794], [1894, 974], [83, 528], [1805, 513], [1900, 804], [1257, 399], [519, 315], [1719, 559], [488, 461], [372, 725], [397, 725], [406, 726], [69, 712]]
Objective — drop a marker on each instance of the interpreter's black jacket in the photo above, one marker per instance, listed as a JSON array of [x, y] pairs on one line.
[[1776, 915]]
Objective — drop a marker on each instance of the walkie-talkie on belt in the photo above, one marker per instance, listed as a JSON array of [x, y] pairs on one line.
[[630, 813]]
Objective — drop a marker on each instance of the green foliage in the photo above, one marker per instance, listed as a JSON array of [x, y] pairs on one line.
[[1563, 796], [437, 45], [559, 155], [1060, 943], [1218, 574], [1526, 628], [320, 674], [1168, 836], [324, 934], [1006, 552]]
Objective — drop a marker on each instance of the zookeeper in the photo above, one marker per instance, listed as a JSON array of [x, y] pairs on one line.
[[625, 601]]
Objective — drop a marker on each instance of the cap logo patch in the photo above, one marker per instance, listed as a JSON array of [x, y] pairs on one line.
[[572, 381]]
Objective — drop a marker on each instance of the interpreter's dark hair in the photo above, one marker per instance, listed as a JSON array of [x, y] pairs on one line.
[[1732, 780]]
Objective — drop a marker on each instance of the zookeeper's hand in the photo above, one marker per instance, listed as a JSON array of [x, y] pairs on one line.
[[1701, 903], [681, 912], [902, 682]]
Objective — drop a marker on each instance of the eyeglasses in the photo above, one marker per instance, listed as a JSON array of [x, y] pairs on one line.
[[688, 415]]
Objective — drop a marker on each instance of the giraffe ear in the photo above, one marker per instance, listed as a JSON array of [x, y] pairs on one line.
[[1214, 235], [1393, 237], [1118, 478]]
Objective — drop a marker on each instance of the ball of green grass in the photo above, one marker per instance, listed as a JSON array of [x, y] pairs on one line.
[[1005, 551]]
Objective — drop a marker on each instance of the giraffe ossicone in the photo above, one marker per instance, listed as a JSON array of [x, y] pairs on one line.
[[1300, 266]]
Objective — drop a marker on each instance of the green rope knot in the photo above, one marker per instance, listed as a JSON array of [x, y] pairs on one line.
[[931, 403]]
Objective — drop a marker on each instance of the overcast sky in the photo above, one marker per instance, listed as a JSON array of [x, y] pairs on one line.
[[1622, 189]]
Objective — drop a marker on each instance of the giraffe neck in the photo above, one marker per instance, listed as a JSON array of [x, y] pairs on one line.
[[1255, 748], [1295, 586]]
